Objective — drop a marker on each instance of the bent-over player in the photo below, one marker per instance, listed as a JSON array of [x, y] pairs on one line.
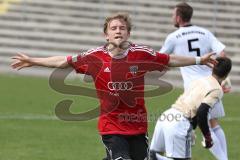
[[173, 135]]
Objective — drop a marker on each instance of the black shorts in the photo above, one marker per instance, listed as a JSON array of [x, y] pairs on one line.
[[126, 147]]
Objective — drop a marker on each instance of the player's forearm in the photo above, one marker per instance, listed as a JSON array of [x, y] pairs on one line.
[[202, 118], [52, 62], [226, 85], [180, 61]]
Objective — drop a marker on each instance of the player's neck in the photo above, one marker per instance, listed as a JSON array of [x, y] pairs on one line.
[[185, 24], [118, 53], [218, 79]]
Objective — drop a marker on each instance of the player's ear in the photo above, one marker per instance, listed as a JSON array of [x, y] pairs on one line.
[[178, 18], [129, 34]]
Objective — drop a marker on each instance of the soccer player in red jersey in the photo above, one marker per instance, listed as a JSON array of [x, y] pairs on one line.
[[118, 70]]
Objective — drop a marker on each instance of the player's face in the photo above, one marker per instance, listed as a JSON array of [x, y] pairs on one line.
[[175, 18], [117, 31]]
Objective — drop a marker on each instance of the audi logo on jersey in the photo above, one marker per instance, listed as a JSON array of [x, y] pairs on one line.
[[120, 86]]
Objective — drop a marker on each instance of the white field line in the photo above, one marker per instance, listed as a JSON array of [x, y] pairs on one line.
[[53, 117], [231, 119], [27, 117]]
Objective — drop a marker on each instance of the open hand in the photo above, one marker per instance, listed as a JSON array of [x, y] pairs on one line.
[[21, 61], [226, 85], [208, 60]]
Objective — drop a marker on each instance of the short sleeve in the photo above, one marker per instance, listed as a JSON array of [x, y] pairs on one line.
[[162, 58], [150, 60], [213, 97], [156, 62], [216, 45], [77, 63], [168, 46]]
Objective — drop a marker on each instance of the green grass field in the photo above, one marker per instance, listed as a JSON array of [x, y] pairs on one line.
[[28, 130]]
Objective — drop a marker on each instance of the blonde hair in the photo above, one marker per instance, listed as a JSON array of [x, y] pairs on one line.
[[120, 15]]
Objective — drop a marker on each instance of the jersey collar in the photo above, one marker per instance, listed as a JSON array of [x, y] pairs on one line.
[[188, 25]]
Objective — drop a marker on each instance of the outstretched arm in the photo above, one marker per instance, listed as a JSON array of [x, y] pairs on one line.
[[180, 61], [22, 61]]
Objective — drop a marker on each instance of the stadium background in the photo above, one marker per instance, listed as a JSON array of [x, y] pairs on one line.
[[28, 127]]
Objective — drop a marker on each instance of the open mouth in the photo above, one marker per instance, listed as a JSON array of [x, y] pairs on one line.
[[118, 37]]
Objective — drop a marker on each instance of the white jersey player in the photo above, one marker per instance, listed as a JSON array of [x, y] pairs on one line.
[[173, 128], [193, 40]]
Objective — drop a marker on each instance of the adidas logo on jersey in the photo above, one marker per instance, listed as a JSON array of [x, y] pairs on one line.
[[107, 69]]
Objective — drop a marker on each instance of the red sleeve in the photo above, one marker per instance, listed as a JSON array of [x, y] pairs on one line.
[[150, 55], [162, 58], [152, 60], [77, 64], [159, 62]]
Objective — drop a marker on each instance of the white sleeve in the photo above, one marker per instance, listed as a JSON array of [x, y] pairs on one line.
[[168, 45], [216, 45]]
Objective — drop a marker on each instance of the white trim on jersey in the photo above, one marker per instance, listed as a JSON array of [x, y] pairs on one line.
[[74, 58], [90, 51], [144, 49]]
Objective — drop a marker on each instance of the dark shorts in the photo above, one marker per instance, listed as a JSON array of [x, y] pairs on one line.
[[120, 147]]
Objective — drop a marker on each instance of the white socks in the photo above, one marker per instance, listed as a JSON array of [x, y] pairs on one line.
[[221, 137], [216, 149]]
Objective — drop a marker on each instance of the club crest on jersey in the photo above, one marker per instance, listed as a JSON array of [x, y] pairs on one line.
[[133, 70]]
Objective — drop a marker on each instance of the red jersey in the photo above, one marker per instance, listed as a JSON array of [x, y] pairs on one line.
[[119, 82]]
